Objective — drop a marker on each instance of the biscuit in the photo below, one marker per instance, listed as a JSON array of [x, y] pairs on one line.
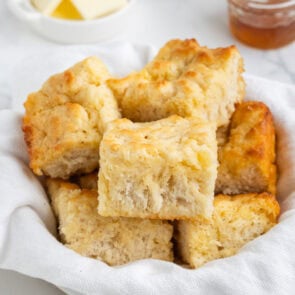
[[235, 221], [66, 118], [184, 79], [112, 240], [164, 169], [247, 157]]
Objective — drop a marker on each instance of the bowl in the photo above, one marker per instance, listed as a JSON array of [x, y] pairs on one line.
[[72, 31]]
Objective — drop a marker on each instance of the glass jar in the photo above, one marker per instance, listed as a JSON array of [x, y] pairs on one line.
[[263, 24]]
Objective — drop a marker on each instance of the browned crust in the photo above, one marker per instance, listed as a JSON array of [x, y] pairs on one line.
[[174, 67], [269, 198], [251, 143]]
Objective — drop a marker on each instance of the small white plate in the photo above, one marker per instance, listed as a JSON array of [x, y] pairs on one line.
[[72, 31]]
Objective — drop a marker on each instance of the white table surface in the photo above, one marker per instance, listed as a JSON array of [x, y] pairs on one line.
[[154, 22]]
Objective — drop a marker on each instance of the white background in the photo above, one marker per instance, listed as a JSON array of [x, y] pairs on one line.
[[154, 22]]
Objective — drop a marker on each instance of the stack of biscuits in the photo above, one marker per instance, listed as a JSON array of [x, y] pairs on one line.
[[168, 162]]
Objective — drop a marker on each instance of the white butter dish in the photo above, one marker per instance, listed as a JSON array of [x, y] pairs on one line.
[[72, 31]]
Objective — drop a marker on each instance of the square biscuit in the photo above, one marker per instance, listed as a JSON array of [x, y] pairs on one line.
[[235, 221], [184, 79], [115, 241], [65, 120], [247, 156], [164, 169]]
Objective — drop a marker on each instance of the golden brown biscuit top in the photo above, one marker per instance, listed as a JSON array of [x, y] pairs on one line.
[[251, 135], [182, 58], [65, 87], [173, 137], [272, 207], [184, 79]]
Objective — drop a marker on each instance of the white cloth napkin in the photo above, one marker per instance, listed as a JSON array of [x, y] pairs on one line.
[[27, 226]]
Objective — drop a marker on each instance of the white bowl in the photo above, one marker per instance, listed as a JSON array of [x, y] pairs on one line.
[[72, 31]]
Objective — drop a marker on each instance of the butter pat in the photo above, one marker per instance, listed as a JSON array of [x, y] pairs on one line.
[[66, 10], [46, 7], [78, 9], [90, 9]]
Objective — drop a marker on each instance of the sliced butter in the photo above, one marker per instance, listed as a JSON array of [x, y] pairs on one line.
[[66, 10], [90, 9], [78, 9], [46, 7]]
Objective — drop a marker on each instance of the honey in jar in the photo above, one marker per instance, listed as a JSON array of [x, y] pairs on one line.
[[263, 24]]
